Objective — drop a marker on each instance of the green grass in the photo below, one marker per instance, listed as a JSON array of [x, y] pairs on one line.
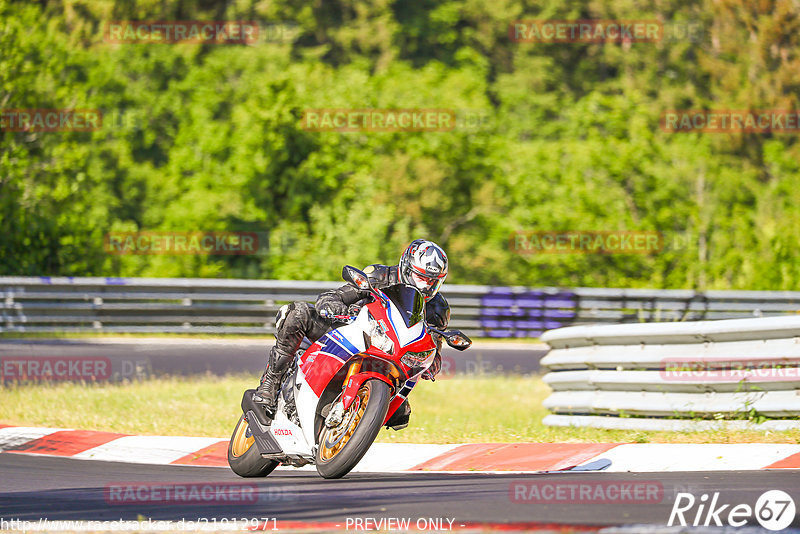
[[197, 406], [458, 410]]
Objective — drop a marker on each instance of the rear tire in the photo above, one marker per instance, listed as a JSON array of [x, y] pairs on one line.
[[361, 424], [243, 455]]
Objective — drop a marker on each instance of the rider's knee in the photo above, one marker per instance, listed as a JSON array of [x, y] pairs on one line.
[[303, 312], [294, 316]]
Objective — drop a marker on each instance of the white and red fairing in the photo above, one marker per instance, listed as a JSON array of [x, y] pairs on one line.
[[320, 363]]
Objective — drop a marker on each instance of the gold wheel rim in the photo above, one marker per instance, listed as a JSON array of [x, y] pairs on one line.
[[334, 439], [241, 440]]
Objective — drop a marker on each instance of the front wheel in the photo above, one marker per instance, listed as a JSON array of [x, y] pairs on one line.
[[342, 447], [243, 455]]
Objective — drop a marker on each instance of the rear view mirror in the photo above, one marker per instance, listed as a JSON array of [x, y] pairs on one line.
[[356, 277], [457, 339]]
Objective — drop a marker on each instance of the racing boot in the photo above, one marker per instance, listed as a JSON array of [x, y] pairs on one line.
[[267, 391], [399, 419]]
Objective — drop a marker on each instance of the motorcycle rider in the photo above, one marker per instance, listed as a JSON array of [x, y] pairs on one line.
[[422, 265]]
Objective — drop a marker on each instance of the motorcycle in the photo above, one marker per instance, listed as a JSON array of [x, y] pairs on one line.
[[343, 388]]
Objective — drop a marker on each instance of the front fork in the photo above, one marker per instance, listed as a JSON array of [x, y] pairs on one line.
[[354, 368], [336, 414], [352, 383]]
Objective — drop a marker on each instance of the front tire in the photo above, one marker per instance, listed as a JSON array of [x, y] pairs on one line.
[[243, 455], [342, 447]]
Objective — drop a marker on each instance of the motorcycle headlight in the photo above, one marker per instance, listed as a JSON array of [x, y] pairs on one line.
[[417, 359], [378, 337]]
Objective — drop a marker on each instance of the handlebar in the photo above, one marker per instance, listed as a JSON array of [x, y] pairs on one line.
[[340, 318], [454, 338]]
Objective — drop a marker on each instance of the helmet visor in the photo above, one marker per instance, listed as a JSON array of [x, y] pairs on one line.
[[426, 285]]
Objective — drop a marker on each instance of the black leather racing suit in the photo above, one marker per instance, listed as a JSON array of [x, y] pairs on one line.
[[300, 319]]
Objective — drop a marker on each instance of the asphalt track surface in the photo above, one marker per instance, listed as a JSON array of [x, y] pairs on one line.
[[36, 487], [141, 357]]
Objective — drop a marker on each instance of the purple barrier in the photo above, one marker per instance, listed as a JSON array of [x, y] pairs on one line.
[[505, 313]]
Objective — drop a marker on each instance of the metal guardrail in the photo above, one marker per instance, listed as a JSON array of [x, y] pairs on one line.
[[173, 305], [675, 376], [65, 304]]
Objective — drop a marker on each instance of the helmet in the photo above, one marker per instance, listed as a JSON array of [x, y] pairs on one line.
[[424, 266]]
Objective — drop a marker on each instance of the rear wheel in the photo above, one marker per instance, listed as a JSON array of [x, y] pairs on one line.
[[342, 447], [243, 455]]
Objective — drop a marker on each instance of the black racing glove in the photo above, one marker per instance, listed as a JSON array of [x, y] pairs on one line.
[[331, 307], [337, 301]]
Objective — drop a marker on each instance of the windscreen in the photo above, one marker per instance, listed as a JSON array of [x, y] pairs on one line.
[[409, 301]]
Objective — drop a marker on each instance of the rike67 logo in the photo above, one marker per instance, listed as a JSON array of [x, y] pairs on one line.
[[774, 510]]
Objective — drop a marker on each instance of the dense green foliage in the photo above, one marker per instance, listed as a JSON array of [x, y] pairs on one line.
[[209, 137]]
